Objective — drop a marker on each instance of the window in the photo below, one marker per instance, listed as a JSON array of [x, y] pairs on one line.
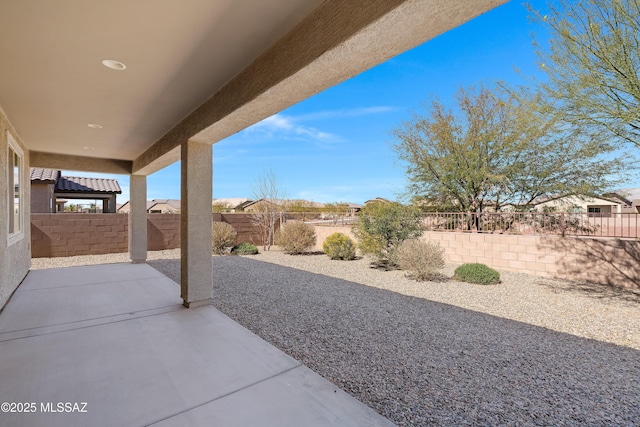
[[16, 192], [596, 211]]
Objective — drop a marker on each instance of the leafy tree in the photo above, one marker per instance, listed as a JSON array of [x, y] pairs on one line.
[[302, 208], [219, 207], [593, 65], [383, 226], [495, 151]]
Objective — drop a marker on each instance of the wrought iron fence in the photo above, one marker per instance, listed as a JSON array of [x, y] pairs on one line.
[[333, 220], [538, 223]]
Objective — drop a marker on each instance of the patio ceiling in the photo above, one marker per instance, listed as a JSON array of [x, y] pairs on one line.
[[197, 69]]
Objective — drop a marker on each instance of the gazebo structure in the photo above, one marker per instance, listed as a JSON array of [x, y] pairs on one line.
[[49, 190]]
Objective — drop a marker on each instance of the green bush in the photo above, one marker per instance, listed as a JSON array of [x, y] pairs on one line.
[[223, 237], [339, 246], [421, 259], [477, 273], [296, 237], [383, 226], [244, 248]]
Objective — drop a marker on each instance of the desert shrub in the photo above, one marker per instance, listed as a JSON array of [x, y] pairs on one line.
[[244, 248], [477, 273], [296, 237], [339, 246], [223, 237], [383, 226], [421, 259]]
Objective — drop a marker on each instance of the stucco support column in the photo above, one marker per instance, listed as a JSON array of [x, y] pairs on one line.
[[112, 204], [138, 218], [196, 278], [109, 205]]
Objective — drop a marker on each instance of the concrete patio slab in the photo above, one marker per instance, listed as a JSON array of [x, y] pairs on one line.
[[309, 399], [86, 275], [90, 347]]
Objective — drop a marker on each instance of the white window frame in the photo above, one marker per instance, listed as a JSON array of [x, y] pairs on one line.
[[13, 147]]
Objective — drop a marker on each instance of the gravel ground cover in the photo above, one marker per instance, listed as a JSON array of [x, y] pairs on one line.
[[528, 351]]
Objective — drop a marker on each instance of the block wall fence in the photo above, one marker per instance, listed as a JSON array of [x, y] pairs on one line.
[[70, 234], [609, 261]]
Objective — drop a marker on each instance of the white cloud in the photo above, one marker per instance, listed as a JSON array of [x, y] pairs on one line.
[[290, 127], [355, 192], [351, 112], [286, 126]]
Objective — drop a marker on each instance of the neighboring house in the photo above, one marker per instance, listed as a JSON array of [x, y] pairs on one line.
[[155, 206], [377, 200], [354, 208], [232, 204], [595, 206], [629, 199], [298, 205], [49, 190], [164, 206], [261, 205], [126, 206]]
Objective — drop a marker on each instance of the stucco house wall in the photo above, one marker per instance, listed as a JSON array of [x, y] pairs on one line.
[[42, 198], [163, 208], [575, 204], [15, 256]]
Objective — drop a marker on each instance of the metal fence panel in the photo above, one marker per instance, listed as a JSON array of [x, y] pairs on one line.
[[624, 225]]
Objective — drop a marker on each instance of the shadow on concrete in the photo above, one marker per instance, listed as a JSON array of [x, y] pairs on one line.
[[420, 362]]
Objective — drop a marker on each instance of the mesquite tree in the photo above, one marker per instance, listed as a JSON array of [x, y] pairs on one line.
[[494, 151], [593, 66]]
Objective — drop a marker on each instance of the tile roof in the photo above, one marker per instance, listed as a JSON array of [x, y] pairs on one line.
[[78, 184], [174, 203], [629, 193], [44, 175]]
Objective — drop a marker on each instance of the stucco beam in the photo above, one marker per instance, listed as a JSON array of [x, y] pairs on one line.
[[39, 159], [335, 42], [84, 196]]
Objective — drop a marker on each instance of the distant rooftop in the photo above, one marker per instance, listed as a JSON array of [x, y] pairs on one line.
[[629, 193], [231, 201]]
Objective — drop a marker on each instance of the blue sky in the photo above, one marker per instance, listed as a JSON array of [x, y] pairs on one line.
[[337, 146]]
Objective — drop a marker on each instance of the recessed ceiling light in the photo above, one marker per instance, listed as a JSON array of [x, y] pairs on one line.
[[94, 126], [88, 148], [113, 64]]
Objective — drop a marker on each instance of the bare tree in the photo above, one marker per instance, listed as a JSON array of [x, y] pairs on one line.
[[269, 209]]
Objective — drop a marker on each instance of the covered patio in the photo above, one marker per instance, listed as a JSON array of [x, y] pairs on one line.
[[129, 88], [116, 346]]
